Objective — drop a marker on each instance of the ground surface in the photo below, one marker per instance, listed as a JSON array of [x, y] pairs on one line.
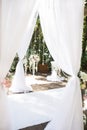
[[39, 82]]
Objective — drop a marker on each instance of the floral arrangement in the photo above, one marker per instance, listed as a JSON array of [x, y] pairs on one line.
[[33, 62], [34, 58], [83, 76]]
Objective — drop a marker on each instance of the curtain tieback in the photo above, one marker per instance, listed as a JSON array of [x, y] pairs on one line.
[[74, 76]]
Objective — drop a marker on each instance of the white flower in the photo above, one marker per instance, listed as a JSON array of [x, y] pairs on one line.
[[83, 76], [34, 58], [33, 61]]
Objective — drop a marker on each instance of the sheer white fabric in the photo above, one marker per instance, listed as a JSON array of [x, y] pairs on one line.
[[15, 17], [18, 83], [61, 22]]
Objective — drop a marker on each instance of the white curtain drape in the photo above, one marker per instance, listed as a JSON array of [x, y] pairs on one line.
[[18, 83], [15, 19], [61, 22]]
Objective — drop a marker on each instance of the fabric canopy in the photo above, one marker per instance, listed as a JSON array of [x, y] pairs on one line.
[[61, 22]]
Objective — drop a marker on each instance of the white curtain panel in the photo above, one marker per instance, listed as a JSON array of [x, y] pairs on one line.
[[18, 83], [62, 23], [15, 17]]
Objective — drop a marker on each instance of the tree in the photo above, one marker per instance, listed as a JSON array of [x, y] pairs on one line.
[[84, 45], [38, 45], [86, 3]]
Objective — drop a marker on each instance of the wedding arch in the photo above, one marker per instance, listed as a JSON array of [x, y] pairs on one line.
[[62, 25]]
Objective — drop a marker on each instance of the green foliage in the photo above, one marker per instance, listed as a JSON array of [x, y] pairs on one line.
[[14, 63], [84, 47], [84, 44], [38, 45], [86, 3], [84, 62]]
